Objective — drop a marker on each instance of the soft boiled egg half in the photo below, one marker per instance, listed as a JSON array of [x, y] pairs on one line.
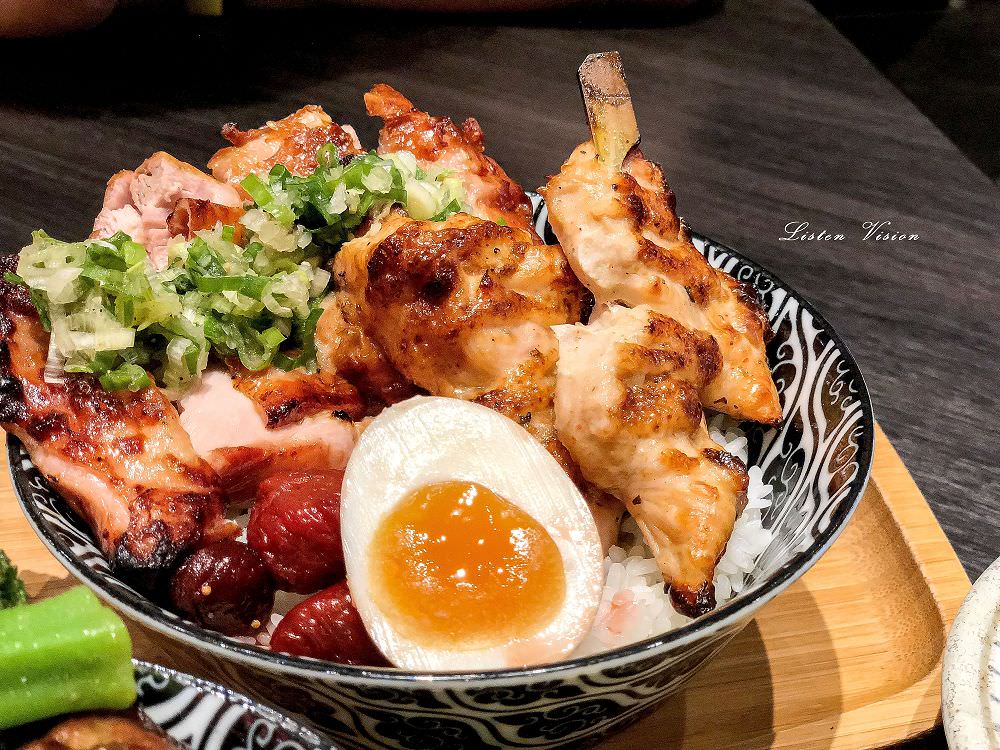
[[466, 544]]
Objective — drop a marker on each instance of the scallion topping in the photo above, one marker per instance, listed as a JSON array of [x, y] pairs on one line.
[[113, 315]]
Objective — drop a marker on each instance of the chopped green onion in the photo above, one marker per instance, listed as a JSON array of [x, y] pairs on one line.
[[259, 191], [125, 377], [249, 286]]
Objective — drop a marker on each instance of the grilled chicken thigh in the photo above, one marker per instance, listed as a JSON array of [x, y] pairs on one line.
[[463, 308], [122, 460], [627, 407], [457, 305], [439, 144], [292, 142], [162, 198], [620, 233]]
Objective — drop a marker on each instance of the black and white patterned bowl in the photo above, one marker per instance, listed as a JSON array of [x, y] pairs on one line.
[[818, 463], [200, 715]]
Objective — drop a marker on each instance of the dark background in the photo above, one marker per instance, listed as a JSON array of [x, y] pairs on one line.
[[944, 55]]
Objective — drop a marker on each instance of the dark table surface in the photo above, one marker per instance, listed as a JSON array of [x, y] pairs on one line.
[[761, 114]]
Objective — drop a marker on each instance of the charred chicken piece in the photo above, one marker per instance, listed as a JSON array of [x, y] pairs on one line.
[[122, 460], [285, 398], [292, 142], [345, 350], [458, 306], [627, 407], [439, 144]]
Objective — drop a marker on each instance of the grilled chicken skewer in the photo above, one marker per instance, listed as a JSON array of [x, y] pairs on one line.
[[627, 408], [629, 385], [121, 459], [614, 216]]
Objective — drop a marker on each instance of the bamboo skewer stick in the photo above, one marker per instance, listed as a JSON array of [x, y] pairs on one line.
[[609, 108]]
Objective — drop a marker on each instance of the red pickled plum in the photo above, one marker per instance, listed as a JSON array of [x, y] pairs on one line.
[[327, 626], [295, 526], [225, 586]]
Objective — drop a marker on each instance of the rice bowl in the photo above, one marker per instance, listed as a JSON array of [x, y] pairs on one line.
[[817, 464]]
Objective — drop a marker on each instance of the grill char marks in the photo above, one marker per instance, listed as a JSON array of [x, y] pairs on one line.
[[120, 459], [285, 398], [440, 144]]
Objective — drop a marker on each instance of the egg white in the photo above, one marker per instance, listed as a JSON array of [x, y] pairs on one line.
[[425, 440]]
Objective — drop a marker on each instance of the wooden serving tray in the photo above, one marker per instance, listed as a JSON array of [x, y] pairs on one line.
[[849, 657]]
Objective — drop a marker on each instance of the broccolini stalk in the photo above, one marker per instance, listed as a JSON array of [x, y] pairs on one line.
[[12, 591], [60, 655]]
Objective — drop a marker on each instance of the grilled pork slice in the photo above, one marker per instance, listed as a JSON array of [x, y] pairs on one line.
[[627, 245], [291, 142], [627, 408], [121, 460], [439, 144], [163, 198], [463, 308], [230, 432]]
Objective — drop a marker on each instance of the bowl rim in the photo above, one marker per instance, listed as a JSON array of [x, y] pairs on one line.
[[298, 732], [740, 607]]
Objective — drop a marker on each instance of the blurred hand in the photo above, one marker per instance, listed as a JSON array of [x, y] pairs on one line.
[[39, 17]]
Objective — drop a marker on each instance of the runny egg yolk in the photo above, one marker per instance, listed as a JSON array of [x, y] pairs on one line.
[[456, 565]]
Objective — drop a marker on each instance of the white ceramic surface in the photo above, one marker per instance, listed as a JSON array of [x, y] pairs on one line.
[[970, 695]]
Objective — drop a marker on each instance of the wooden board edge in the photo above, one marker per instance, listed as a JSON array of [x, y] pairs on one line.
[[933, 552], [917, 710]]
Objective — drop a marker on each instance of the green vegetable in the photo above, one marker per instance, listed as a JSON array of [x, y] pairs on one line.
[[62, 655], [12, 591], [336, 198]]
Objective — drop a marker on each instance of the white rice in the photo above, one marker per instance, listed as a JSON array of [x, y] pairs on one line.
[[634, 605]]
